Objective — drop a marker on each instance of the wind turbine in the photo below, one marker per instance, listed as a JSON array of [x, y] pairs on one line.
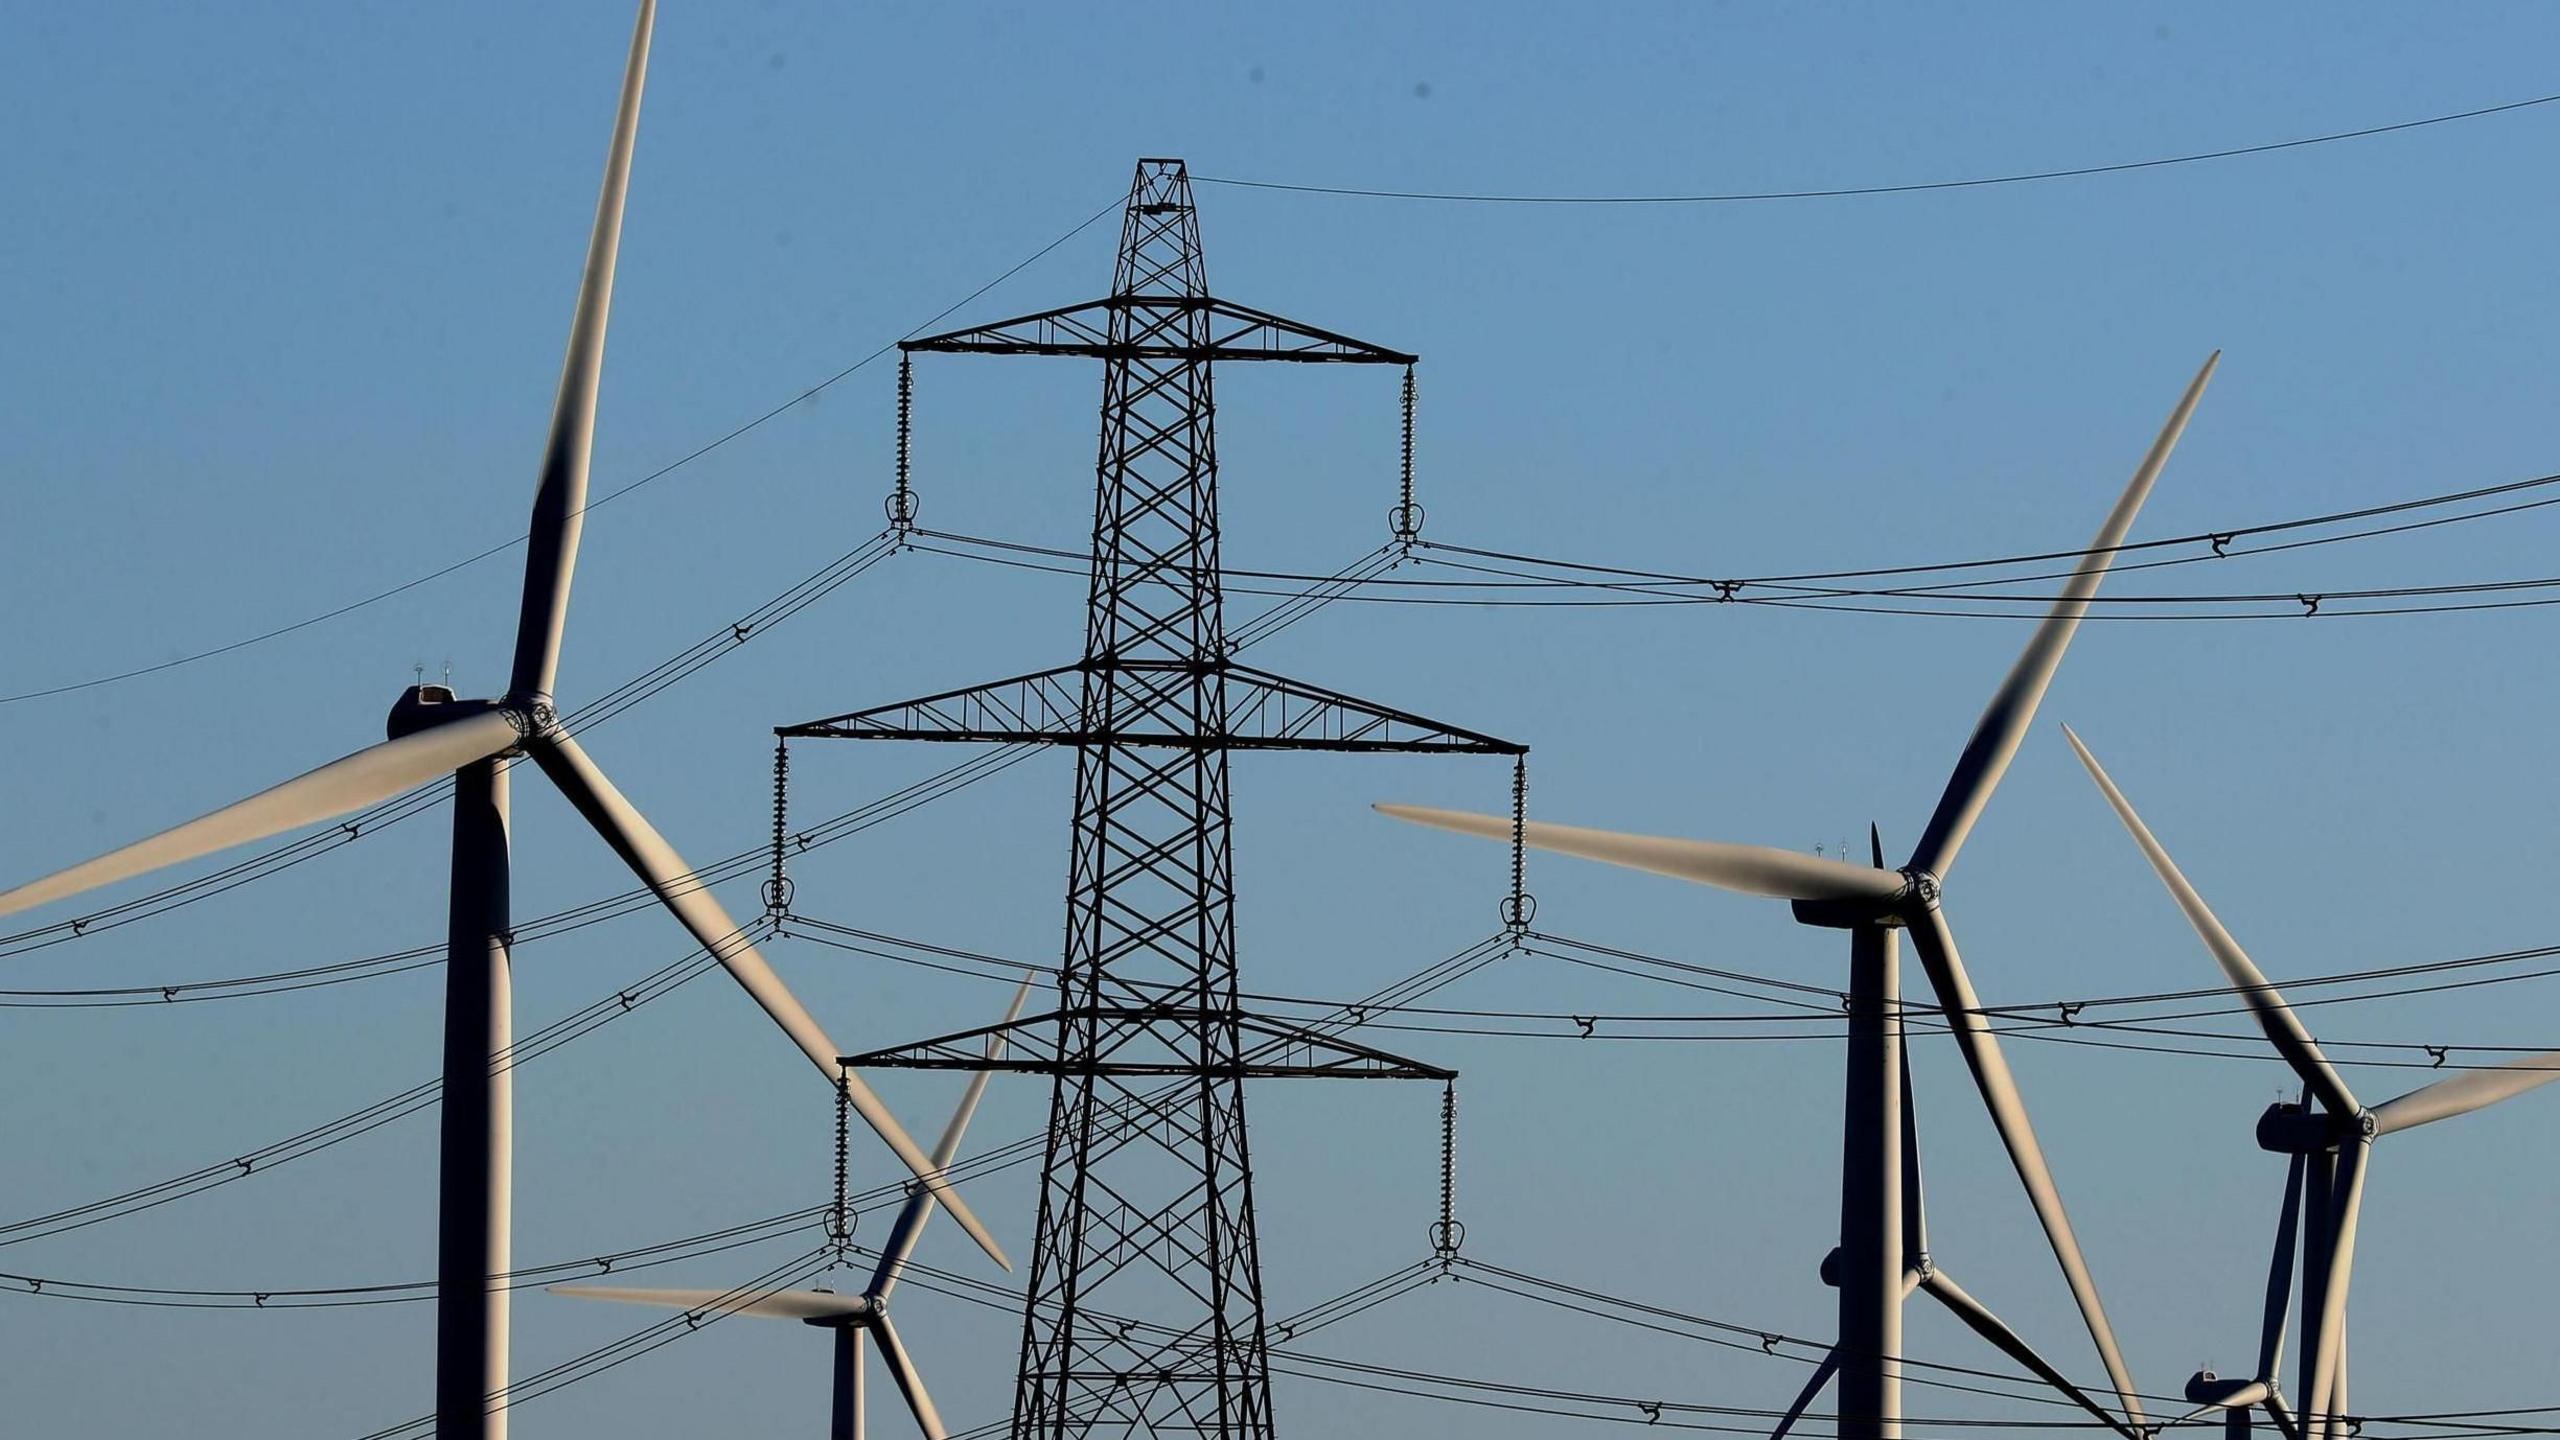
[[1875, 905], [849, 1316], [1926, 1276], [432, 733], [2235, 1398], [2334, 1146]]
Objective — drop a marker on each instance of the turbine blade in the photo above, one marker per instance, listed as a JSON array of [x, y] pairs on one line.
[[1822, 1374], [352, 782], [919, 1207], [2004, 722], [2189, 1418], [2464, 1093], [2321, 1408], [910, 1384], [2280, 1277], [1982, 1055], [2282, 1414], [670, 879], [560, 501], [1746, 869], [2283, 1028], [1915, 1206], [781, 1305], [1982, 1322]]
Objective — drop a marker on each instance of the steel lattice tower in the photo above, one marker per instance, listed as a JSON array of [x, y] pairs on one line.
[[1145, 1312]]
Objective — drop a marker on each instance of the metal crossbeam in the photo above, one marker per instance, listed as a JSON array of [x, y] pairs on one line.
[[1263, 712], [1160, 327], [1279, 1050]]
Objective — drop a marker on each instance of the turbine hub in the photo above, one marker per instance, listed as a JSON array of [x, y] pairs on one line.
[[1919, 891], [532, 714]]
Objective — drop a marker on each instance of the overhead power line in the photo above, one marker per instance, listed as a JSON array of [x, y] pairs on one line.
[[405, 1292], [1292, 608], [649, 683], [607, 498], [2217, 541], [577, 1023], [1839, 192], [1527, 580], [1806, 1012], [263, 1159]]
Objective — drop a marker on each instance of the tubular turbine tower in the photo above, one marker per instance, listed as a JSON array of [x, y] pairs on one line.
[[1146, 1203]]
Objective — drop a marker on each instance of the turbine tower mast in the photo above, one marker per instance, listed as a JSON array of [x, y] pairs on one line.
[[1147, 1208]]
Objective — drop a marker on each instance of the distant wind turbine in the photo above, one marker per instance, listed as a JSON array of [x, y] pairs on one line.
[[851, 1317], [1875, 905], [433, 733], [2236, 1398], [2336, 1142]]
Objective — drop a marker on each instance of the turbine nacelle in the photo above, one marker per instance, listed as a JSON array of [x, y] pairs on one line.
[[864, 1310], [1906, 906], [2290, 1129], [2206, 1388], [425, 707], [1920, 1268]]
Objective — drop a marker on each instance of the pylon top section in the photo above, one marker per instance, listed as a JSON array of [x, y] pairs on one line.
[[1160, 235], [1160, 296]]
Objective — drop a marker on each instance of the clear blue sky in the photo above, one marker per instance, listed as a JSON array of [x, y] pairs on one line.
[[285, 290]]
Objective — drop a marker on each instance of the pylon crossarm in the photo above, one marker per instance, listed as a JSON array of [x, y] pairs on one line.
[[1267, 711], [1232, 332], [1263, 712], [1039, 706], [1272, 1049]]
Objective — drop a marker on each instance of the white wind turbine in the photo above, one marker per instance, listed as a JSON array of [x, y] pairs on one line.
[[2236, 1398], [1924, 1275], [851, 1317], [432, 733], [1875, 905], [2335, 1145]]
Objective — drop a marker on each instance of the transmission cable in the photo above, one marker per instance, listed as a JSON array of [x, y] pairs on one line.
[[419, 1097], [694, 658], [577, 1023], [793, 599], [1662, 583], [1921, 1018], [605, 499], [1460, 593], [1907, 188]]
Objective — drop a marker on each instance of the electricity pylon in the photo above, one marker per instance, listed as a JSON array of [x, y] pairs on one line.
[[1146, 1204]]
